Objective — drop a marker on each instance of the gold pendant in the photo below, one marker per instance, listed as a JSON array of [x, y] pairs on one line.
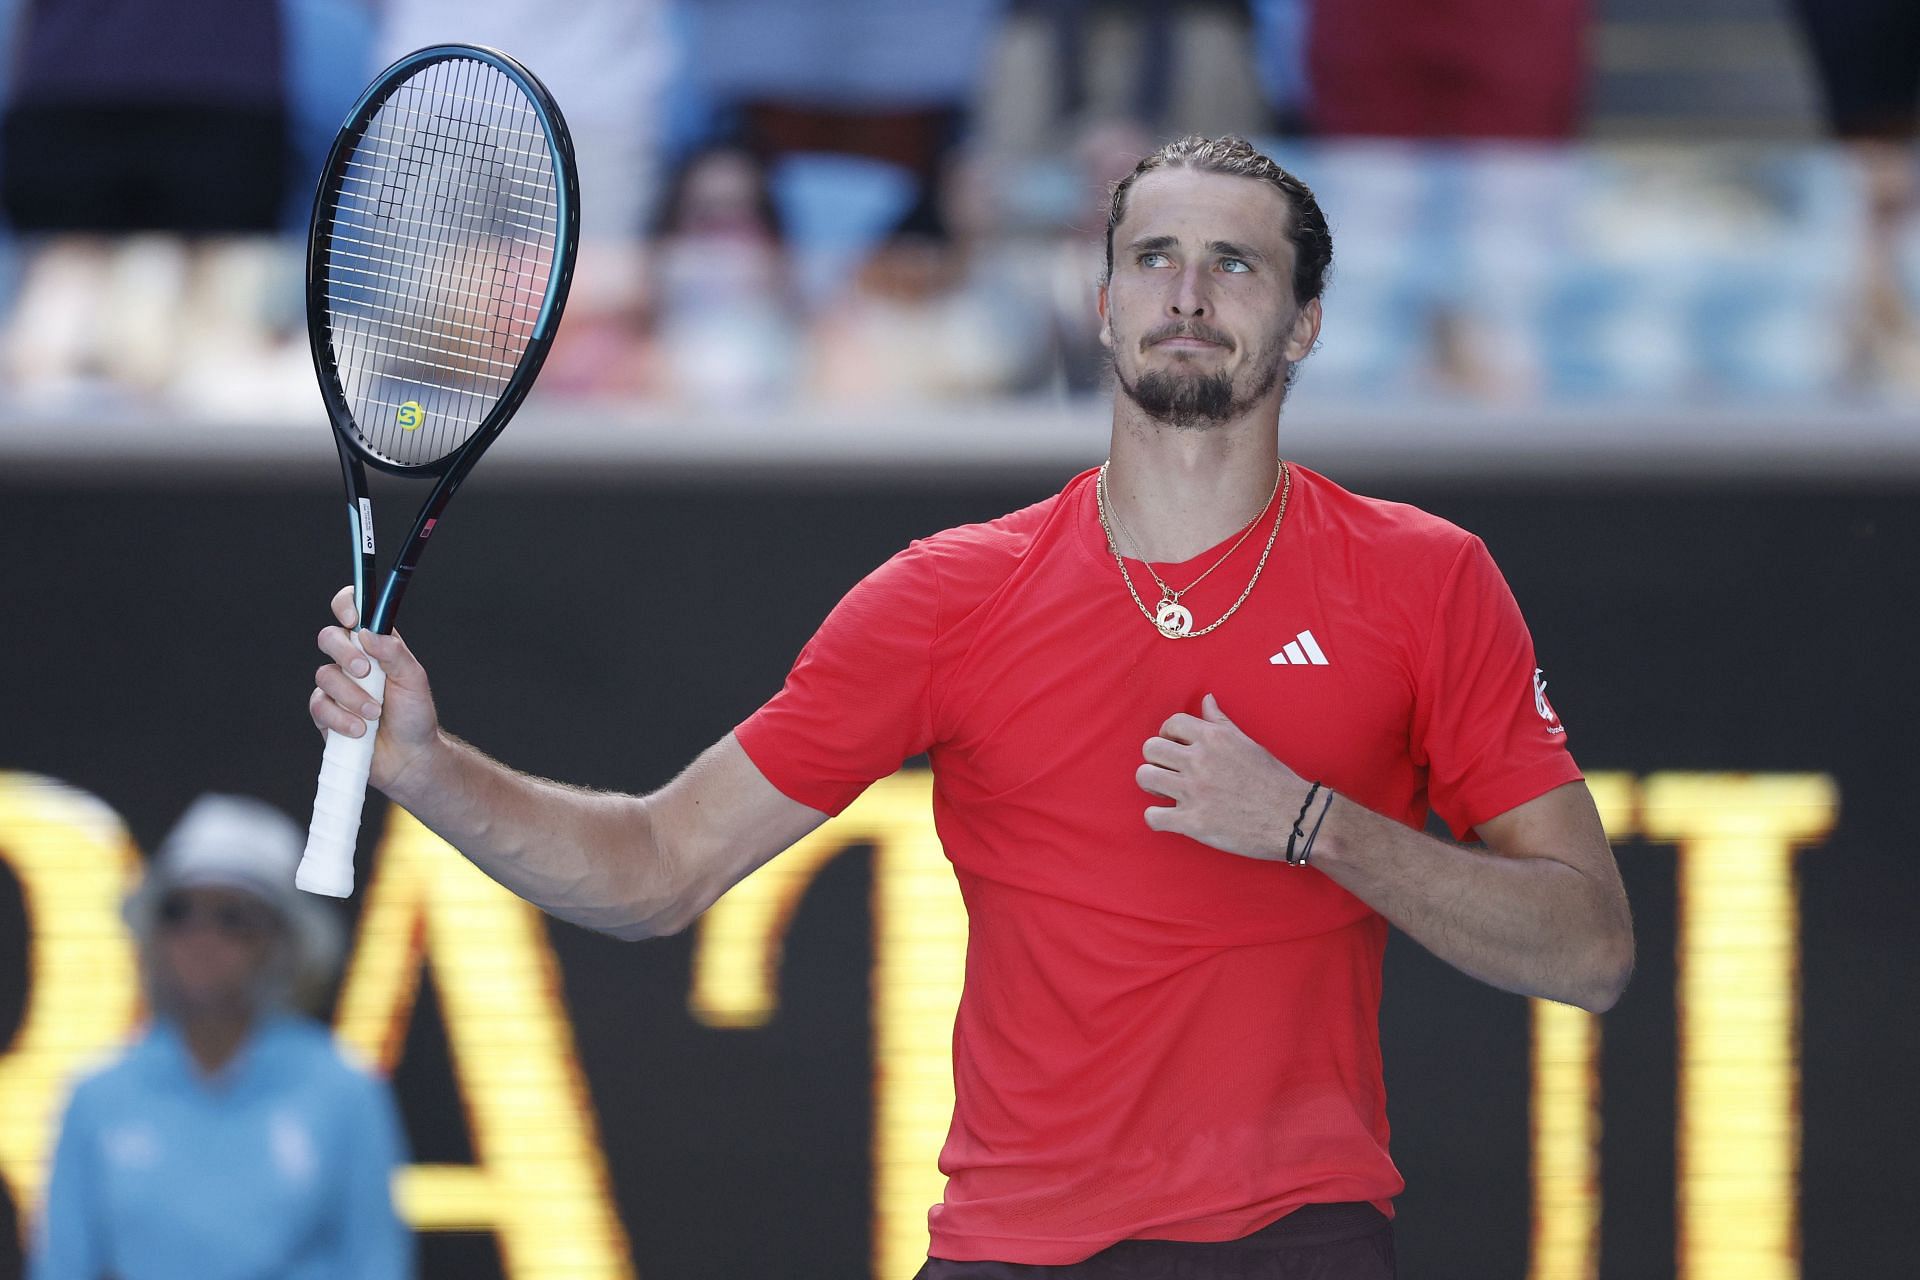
[[1172, 618]]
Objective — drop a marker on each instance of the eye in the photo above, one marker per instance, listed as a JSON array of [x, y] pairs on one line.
[[1153, 258], [1238, 266]]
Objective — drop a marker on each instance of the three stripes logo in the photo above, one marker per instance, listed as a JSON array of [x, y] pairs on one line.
[[1301, 651]]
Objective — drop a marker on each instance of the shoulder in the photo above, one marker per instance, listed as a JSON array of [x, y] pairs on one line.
[[969, 561], [1394, 560], [105, 1080], [297, 1047], [124, 1071], [1396, 533]]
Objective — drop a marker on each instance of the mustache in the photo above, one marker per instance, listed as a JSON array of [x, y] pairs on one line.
[[1187, 329]]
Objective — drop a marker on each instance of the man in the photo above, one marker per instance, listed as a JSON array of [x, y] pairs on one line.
[[1166, 1058]]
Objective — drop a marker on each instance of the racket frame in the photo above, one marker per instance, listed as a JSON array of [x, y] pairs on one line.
[[452, 468]]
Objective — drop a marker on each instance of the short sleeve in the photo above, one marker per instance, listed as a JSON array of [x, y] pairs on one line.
[[858, 701], [1482, 725]]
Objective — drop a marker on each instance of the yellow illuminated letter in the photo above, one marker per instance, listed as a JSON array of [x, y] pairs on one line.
[[919, 957], [74, 861], [1565, 1104], [1739, 976], [540, 1183]]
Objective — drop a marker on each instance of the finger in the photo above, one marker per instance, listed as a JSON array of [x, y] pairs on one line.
[[1164, 752], [1157, 781], [391, 652], [1162, 817], [330, 715], [1210, 709], [337, 643], [1182, 728], [343, 609], [345, 693]]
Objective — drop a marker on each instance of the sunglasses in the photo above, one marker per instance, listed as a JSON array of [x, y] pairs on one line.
[[231, 919]]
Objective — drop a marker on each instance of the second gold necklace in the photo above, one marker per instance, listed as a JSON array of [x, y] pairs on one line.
[[1171, 618]]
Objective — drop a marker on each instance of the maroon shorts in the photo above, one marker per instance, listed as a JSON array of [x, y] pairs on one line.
[[1316, 1242]]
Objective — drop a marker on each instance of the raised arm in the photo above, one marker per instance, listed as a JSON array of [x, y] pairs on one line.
[[631, 866]]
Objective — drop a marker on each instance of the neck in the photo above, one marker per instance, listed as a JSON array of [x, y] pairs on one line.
[[1179, 492], [214, 1038]]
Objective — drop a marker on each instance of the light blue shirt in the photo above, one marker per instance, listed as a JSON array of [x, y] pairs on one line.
[[279, 1166]]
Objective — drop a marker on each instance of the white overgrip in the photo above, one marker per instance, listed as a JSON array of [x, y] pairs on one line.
[[327, 867]]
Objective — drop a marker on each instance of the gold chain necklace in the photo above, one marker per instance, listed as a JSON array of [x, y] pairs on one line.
[[1167, 591], [1171, 618]]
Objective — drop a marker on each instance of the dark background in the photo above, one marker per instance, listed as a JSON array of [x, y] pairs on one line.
[[157, 643]]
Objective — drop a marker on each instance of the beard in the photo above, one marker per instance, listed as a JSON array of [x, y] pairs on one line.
[[1190, 400]]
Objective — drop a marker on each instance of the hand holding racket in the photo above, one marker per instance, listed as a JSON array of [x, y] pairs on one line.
[[438, 262], [405, 717]]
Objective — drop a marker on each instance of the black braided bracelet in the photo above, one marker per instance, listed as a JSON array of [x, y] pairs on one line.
[[1307, 851], [1305, 805]]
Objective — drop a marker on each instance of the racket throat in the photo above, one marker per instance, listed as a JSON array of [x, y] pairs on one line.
[[381, 619]]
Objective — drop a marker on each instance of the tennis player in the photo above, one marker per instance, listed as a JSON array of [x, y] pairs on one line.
[[1186, 720]]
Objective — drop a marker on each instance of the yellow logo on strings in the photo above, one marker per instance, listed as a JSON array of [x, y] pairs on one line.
[[410, 415]]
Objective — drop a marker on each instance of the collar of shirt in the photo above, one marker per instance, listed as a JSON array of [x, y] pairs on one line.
[[164, 1053]]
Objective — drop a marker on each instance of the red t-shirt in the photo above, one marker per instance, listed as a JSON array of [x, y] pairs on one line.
[[1157, 1039]]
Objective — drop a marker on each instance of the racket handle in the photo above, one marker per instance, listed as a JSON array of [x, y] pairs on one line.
[[327, 867]]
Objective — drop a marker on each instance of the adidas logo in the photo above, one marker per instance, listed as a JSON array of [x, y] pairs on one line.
[[1301, 651]]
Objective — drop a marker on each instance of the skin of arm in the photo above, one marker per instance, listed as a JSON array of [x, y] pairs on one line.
[[1539, 910], [630, 866]]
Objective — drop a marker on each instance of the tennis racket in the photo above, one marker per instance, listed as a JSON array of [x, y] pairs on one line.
[[438, 262]]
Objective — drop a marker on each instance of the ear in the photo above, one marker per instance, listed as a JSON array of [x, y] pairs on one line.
[[1106, 320], [1305, 332]]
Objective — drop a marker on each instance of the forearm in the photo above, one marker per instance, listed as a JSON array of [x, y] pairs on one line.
[[588, 857], [631, 866], [1534, 925]]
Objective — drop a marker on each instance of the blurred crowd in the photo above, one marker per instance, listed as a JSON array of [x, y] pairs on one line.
[[869, 201]]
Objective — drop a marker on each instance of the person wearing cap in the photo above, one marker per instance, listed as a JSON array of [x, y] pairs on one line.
[[231, 1138]]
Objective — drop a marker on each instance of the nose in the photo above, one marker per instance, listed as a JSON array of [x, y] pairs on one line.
[[1189, 299]]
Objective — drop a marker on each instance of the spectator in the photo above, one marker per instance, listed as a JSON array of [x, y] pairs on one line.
[[1105, 152], [230, 1140], [1446, 68], [1280, 55], [721, 316], [1868, 56], [946, 308], [607, 63], [124, 116], [814, 85]]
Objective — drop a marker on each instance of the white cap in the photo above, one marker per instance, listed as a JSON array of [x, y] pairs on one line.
[[235, 842]]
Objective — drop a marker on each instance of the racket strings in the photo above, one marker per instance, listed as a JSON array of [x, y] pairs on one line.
[[451, 146], [440, 247], [459, 153], [381, 193]]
